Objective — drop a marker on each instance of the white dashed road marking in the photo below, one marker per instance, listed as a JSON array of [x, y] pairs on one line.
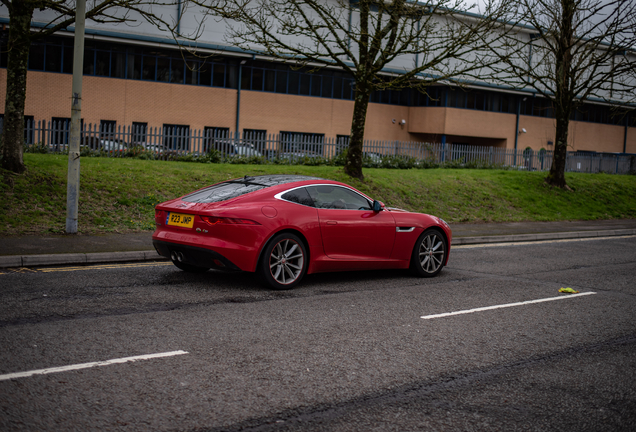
[[89, 365], [563, 297]]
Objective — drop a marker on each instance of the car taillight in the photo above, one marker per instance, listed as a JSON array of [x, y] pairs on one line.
[[213, 220], [158, 216]]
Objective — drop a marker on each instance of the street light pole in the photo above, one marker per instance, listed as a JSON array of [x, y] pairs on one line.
[[73, 180]]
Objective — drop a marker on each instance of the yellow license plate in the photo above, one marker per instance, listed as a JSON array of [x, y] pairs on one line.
[[180, 220]]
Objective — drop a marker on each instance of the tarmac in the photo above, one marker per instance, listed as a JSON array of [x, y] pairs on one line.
[[78, 249]]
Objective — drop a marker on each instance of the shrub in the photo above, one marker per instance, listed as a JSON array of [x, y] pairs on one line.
[[36, 148]]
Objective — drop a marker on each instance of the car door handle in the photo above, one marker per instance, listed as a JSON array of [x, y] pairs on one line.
[[332, 223]]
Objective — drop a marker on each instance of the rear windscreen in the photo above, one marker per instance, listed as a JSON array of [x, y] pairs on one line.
[[235, 188], [222, 192]]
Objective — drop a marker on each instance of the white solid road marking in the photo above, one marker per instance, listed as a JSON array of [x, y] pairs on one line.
[[89, 365], [534, 242], [563, 297]]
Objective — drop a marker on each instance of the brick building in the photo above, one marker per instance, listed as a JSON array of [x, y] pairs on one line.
[[142, 79]]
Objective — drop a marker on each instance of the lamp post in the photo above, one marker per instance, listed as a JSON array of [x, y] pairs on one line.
[[73, 179]]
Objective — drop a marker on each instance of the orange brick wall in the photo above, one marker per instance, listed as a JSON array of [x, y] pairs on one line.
[[380, 126], [466, 126], [631, 140], [427, 120], [279, 112], [539, 131], [276, 112], [597, 137], [127, 101], [498, 129]]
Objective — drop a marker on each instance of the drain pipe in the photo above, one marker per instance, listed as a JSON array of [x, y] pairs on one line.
[[349, 30], [238, 101], [517, 126], [417, 54], [179, 17], [625, 135]]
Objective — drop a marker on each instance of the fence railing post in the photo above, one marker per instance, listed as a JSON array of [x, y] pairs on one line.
[[118, 140]]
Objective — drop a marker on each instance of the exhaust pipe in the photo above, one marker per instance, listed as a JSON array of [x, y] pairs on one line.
[[176, 256]]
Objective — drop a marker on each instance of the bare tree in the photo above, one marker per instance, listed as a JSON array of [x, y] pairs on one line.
[[22, 34], [570, 51], [362, 38]]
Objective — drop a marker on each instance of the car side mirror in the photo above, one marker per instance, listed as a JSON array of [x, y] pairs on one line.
[[377, 206]]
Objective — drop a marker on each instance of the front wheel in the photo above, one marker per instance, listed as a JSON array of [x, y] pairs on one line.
[[429, 254], [283, 262]]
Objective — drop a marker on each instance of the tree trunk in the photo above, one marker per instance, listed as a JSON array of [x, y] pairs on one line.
[[20, 16], [564, 96], [556, 177], [353, 165]]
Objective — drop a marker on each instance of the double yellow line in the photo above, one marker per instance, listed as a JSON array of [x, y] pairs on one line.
[[86, 267]]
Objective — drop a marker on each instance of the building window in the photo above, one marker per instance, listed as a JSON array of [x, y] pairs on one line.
[[433, 96], [139, 132], [214, 138], [163, 68], [107, 129], [305, 84], [542, 108], [133, 70], [342, 143], [118, 65], [118, 60], [255, 137], [60, 129], [253, 134], [105, 59], [29, 130], [176, 137], [307, 144], [36, 55], [316, 84], [102, 63]]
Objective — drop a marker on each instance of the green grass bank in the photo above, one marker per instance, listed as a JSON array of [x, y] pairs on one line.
[[118, 195]]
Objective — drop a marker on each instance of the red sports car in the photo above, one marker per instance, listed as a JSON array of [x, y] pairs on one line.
[[284, 226]]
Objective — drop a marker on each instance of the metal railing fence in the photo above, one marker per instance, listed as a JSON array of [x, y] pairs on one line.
[[175, 142]]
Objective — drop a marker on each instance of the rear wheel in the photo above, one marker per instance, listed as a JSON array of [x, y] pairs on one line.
[[429, 254], [283, 262]]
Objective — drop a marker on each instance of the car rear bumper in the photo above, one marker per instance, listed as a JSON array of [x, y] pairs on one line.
[[193, 255]]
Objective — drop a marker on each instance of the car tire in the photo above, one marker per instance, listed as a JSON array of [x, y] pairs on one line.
[[429, 253], [283, 262], [189, 267]]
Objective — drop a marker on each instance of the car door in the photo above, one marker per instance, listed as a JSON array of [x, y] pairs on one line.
[[349, 227]]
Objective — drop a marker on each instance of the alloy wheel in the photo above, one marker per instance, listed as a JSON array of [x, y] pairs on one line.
[[431, 253], [286, 261]]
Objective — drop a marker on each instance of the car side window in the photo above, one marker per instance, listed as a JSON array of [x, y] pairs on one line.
[[336, 197], [300, 196]]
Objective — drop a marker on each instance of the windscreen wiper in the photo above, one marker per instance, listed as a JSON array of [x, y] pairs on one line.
[[247, 181]]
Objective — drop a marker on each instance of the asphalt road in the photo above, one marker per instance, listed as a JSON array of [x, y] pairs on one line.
[[347, 351]]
